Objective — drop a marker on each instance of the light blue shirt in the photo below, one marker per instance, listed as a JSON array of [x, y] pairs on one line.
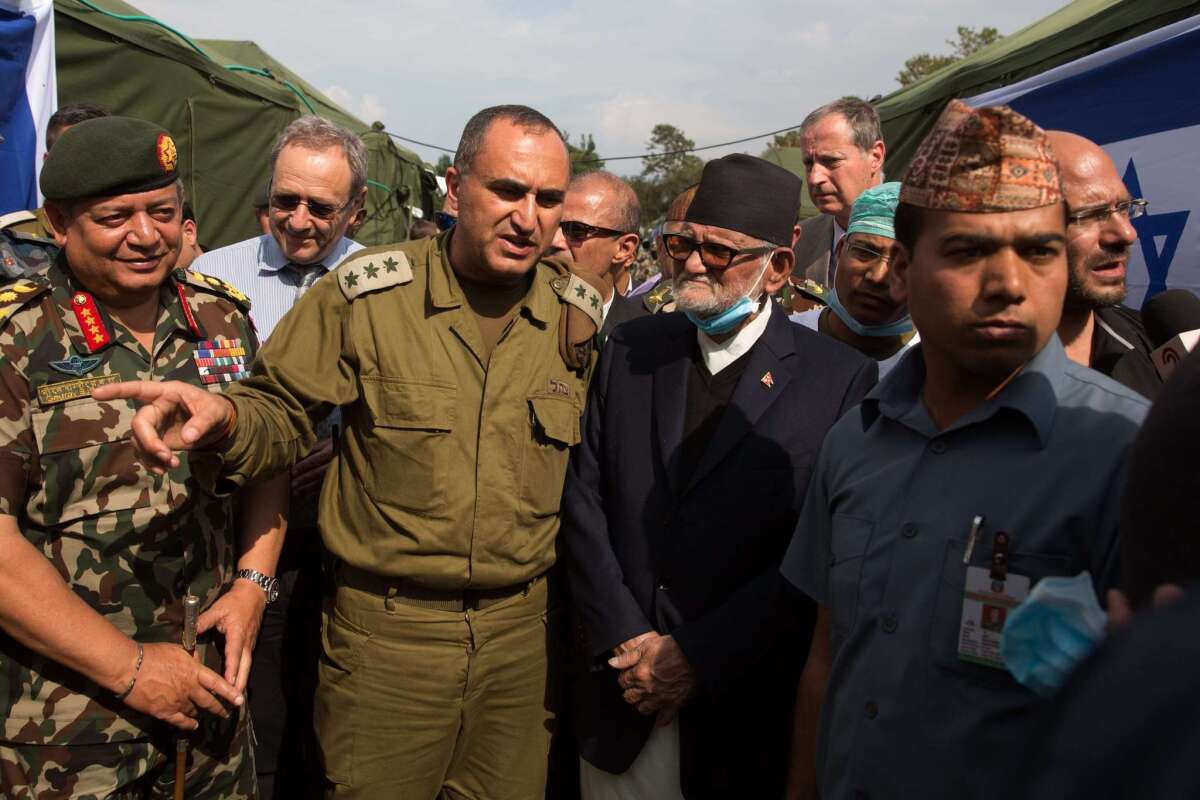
[[881, 541], [256, 267]]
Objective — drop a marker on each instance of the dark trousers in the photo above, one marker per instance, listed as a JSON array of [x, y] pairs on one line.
[[283, 679]]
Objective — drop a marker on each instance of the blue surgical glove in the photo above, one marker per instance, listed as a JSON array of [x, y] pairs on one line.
[[1051, 631]]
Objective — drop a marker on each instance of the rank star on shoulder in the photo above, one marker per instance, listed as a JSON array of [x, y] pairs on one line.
[[351, 280], [371, 270], [390, 264]]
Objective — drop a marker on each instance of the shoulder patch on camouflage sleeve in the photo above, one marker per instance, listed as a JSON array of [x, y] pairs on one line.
[[14, 296], [216, 286], [371, 270]]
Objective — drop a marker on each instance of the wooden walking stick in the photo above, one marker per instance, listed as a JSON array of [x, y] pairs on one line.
[[191, 615]]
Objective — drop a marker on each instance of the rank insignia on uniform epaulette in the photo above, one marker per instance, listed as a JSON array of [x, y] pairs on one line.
[[76, 365], [366, 272], [221, 360]]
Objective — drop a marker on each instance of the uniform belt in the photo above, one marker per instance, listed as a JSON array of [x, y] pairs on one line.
[[409, 592]]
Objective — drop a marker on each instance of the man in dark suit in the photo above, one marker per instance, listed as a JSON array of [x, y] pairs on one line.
[[599, 227], [698, 440], [843, 155]]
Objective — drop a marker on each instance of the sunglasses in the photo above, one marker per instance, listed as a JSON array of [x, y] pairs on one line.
[[712, 255], [290, 202], [581, 231]]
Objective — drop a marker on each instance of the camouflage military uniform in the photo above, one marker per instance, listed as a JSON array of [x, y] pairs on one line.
[[24, 254], [131, 544]]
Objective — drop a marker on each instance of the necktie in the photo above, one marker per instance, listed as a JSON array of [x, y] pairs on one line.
[[309, 273]]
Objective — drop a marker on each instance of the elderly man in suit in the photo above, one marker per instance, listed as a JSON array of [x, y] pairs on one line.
[[843, 155], [698, 440]]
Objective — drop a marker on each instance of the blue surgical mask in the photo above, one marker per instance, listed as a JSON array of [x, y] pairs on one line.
[[898, 328], [1051, 631], [733, 316]]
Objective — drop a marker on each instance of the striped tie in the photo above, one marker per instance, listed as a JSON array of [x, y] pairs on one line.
[[309, 273]]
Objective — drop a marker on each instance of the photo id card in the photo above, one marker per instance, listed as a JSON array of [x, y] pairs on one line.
[[986, 604]]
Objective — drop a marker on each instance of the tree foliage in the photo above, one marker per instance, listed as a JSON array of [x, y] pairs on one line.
[[924, 64], [444, 163], [583, 155], [667, 171]]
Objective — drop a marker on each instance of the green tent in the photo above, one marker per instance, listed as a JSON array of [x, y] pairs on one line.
[[1077, 30], [223, 120], [792, 159]]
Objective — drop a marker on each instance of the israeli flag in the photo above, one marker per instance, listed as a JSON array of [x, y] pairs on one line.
[[28, 96], [1137, 100]]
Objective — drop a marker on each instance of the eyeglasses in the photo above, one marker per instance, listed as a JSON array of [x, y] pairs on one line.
[[1130, 209], [581, 231], [712, 255], [864, 256], [290, 202]]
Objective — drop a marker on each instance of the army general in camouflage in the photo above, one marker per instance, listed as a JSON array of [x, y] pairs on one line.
[[461, 386], [97, 553]]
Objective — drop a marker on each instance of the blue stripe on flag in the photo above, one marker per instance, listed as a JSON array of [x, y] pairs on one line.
[[18, 151]]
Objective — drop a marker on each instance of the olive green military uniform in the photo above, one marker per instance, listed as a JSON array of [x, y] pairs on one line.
[[129, 543], [441, 509]]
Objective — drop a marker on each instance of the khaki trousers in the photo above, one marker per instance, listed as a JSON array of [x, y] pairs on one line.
[[415, 703]]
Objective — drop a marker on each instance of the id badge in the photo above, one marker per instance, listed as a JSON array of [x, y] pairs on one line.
[[986, 604]]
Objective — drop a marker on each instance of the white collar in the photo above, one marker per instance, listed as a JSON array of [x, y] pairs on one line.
[[607, 305], [718, 356], [838, 233]]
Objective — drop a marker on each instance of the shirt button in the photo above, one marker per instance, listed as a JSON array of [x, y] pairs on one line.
[[890, 624], [664, 586], [870, 710], [908, 530], [937, 447]]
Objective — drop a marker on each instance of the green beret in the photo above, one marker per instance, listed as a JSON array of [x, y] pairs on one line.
[[109, 156]]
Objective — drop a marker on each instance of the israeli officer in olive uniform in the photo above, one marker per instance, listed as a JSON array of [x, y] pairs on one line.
[[461, 366], [97, 555]]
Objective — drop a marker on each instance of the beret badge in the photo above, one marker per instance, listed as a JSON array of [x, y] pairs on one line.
[[164, 149]]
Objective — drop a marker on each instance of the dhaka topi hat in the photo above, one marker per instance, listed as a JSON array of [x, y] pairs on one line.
[[989, 159]]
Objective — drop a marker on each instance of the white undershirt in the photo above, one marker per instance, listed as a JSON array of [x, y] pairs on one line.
[[607, 305], [718, 356]]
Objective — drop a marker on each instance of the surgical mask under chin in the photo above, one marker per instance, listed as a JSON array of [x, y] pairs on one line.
[[1051, 631], [898, 328], [733, 316]]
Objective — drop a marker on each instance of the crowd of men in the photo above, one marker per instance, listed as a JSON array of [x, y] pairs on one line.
[[826, 509]]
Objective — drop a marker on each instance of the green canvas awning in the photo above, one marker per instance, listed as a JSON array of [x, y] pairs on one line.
[[1077, 30], [223, 120]]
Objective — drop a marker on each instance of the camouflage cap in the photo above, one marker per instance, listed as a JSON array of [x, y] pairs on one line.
[[988, 159], [109, 156]]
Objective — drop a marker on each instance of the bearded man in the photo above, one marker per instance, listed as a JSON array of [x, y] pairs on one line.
[[697, 445]]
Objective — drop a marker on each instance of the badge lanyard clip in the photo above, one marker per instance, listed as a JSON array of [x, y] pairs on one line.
[[999, 570]]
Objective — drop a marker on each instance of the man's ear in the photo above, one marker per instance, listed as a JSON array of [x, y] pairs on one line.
[[189, 231], [898, 274], [453, 176], [779, 269], [59, 221], [878, 154], [797, 231], [627, 247]]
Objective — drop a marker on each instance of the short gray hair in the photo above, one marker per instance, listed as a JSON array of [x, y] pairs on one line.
[[858, 113], [477, 127], [317, 133], [623, 206]]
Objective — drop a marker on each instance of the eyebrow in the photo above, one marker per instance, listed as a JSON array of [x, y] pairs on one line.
[[510, 185], [996, 242]]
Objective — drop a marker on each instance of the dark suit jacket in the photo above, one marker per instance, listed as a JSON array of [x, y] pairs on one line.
[[622, 309], [814, 250], [699, 560]]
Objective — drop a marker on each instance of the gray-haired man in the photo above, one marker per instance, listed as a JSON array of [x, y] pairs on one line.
[[317, 185], [843, 155]]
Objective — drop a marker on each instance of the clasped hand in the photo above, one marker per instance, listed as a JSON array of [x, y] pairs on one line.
[[655, 675]]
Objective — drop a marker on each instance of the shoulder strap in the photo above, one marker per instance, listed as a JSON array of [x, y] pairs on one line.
[[372, 269], [215, 285], [18, 294]]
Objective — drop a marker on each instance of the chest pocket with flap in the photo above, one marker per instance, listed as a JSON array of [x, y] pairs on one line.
[[406, 449], [553, 430], [87, 461]]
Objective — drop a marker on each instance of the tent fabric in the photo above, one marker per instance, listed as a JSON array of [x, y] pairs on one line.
[[792, 159], [223, 121], [1077, 30]]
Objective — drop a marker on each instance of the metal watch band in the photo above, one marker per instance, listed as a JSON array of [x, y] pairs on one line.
[[269, 585]]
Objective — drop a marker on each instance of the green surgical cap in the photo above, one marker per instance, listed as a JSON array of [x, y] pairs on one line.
[[874, 211]]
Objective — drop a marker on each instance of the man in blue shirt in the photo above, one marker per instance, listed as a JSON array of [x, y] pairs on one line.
[[318, 183], [986, 461]]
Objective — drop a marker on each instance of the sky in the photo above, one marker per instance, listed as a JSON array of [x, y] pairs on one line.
[[717, 69]]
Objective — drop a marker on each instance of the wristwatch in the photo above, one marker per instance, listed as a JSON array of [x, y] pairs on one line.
[[265, 582]]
